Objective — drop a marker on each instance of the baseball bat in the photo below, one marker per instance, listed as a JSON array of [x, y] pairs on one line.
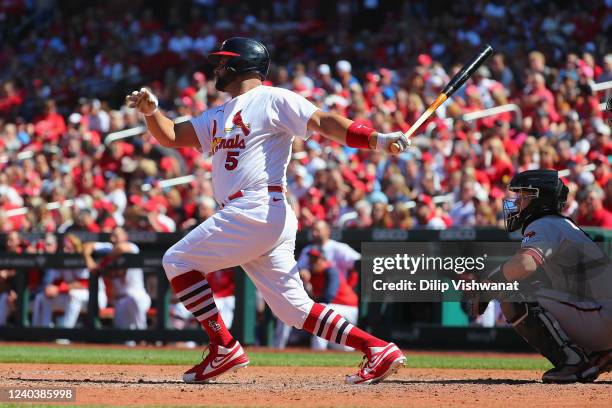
[[455, 83]]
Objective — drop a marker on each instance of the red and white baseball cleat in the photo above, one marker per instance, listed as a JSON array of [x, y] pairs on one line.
[[220, 360], [378, 364]]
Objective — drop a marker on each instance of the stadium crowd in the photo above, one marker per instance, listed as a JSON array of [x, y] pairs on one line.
[[63, 75]]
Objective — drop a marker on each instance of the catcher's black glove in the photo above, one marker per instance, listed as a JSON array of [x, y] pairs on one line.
[[472, 304]]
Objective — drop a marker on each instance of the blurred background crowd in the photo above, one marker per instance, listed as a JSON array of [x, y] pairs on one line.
[[65, 70]]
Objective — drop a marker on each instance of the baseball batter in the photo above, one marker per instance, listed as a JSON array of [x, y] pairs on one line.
[[249, 139], [568, 319]]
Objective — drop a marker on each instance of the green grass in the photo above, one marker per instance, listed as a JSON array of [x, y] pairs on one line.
[[152, 356]]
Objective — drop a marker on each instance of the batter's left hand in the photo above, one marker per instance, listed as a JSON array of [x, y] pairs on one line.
[[144, 101]]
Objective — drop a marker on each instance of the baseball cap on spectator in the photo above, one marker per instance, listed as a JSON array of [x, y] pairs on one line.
[[104, 205], [424, 60], [188, 92], [483, 71], [324, 69], [315, 252], [75, 118], [436, 81], [300, 171], [461, 135], [424, 199], [333, 100], [343, 66], [586, 178], [135, 199], [128, 165], [314, 192], [372, 77], [378, 197], [573, 116], [166, 163], [602, 128], [426, 157]]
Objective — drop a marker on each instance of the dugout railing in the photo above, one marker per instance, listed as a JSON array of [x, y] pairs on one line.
[[446, 327]]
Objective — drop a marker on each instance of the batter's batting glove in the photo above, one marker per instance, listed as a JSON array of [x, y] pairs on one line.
[[144, 101], [384, 141]]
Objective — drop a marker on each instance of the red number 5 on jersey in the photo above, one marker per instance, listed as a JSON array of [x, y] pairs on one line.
[[231, 160]]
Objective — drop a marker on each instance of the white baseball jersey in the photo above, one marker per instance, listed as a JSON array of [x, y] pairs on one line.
[[133, 281], [250, 137], [342, 256]]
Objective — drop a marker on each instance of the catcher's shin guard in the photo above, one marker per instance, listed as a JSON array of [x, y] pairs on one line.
[[542, 332]]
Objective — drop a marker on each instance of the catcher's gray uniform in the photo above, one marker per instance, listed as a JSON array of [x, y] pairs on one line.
[[577, 284]]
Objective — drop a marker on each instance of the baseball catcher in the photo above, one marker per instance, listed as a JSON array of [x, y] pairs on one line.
[[566, 313]]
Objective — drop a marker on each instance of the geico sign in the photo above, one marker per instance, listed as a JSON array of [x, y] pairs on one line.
[[458, 234], [389, 235]]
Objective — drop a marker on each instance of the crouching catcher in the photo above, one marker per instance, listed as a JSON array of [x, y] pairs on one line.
[[567, 313]]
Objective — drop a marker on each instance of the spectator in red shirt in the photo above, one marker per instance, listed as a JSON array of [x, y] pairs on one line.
[[10, 98], [50, 125], [328, 286], [538, 96], [592, 212]]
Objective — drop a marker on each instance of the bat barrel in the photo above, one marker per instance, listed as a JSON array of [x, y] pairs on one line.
[[468, 69]]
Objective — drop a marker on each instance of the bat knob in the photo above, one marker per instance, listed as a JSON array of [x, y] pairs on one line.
[[394, 148]]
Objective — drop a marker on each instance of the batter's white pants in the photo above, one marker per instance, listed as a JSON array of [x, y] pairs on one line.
[[257, 232], [72, 303], [131, 311], [4, 308], [588, 325]]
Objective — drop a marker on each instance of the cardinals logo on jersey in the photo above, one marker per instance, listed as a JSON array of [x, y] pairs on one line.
[[238, 123], [235, 142]]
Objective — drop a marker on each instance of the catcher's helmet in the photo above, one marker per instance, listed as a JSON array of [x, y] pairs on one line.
[[246, 55], [546, 190]]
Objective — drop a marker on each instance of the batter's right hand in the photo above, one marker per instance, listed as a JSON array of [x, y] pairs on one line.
[[399, 141], [144, 101]]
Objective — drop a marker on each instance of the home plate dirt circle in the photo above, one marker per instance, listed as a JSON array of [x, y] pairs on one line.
[[306, 387]]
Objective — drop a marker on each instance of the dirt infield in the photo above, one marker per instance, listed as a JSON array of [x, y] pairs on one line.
[[306, 387]]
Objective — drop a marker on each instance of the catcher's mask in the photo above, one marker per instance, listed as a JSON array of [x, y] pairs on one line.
[[532, 194]]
